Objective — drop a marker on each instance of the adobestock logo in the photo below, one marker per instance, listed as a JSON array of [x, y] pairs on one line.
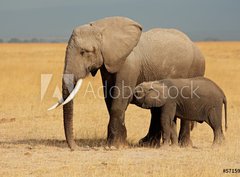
[[46, 80], [160, 90], [122, 91]]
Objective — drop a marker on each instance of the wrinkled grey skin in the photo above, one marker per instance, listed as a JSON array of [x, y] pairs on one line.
[[196, 99], [122, 52]]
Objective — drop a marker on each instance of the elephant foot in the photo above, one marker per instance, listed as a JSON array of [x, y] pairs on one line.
[[150, 141], [117, 133], [111, 148], [184, 134], [185, 142], [218, 141], [116, 142], [72, 145]]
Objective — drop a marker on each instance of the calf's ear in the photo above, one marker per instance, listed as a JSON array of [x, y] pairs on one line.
[[160, 94]]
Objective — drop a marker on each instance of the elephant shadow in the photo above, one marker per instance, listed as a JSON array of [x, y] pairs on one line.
[[97, 142]]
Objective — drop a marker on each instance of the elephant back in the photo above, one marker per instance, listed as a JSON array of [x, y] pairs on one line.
[[172, 47]]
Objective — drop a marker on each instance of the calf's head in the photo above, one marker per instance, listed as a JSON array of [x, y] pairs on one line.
[[150, 94]]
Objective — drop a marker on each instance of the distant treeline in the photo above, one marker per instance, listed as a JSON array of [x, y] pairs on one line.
[[37, 40], [33, 40]]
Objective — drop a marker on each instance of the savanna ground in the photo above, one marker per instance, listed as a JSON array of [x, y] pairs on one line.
[[32, 140]]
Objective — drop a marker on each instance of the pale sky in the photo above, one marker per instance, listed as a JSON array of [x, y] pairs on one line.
[[202, 19]]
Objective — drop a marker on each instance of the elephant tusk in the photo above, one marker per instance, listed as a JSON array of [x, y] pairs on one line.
[[74, 92], [69, 98], [56, 105]]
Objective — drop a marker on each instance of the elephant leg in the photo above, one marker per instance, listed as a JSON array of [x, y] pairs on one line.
[[166, 130], [153, 136], [108, 81], [173, 135], [119, 94], [117, 132], [215, 121], [184, 133], [168, 124]]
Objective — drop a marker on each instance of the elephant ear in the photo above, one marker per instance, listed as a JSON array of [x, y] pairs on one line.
[[162, 92], [119, 36]]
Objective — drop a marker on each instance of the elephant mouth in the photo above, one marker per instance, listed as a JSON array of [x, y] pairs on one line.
[[140, 103], [76, 88], [93, 71], [145, 106]]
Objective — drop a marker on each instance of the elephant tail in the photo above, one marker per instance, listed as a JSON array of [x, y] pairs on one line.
[[225, 110]]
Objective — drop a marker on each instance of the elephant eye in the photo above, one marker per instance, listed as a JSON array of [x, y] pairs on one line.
[[82, 52]]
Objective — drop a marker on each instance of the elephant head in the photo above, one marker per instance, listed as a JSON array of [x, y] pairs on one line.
[[104, 42], [150, 94]]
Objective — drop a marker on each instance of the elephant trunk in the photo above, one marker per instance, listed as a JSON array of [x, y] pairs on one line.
[[68, 117], [71, 83]]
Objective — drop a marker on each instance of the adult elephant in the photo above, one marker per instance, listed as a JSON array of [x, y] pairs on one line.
[[118, 47]]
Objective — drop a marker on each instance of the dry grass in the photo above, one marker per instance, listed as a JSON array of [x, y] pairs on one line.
[[32, 139]]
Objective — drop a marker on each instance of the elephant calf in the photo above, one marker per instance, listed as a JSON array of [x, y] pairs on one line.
[[196, 99]]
